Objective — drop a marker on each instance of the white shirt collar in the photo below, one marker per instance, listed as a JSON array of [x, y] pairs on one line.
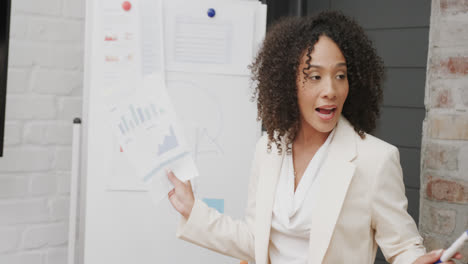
[[288, 202]]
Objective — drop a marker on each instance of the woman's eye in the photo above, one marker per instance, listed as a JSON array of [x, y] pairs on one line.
[[315, 77], [341, 76]]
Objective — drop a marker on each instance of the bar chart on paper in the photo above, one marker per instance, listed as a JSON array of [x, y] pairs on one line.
[[147, 131], [138, 116], [148, 121]]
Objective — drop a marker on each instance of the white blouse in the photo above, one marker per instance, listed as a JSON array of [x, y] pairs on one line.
[[290, 225]]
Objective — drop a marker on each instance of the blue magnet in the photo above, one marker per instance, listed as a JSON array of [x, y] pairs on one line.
[[211, 12]]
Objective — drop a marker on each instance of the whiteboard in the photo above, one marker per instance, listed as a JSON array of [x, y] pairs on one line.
[[219, 121]]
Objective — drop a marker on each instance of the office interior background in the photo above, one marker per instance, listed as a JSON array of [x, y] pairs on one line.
[[423, 44]]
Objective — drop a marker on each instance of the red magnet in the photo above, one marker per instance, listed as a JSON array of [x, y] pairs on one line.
[[126, 6]]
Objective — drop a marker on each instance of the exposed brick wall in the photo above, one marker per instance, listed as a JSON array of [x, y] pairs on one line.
[[444, 174], [45, 80]]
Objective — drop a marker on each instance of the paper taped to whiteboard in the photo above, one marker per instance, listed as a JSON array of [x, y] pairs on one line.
[[198, 42], [217, 204]]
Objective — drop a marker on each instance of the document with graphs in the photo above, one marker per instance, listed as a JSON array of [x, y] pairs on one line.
[[130, 76], [150, 136]]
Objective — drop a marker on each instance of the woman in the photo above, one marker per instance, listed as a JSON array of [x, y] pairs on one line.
[[322, 190]]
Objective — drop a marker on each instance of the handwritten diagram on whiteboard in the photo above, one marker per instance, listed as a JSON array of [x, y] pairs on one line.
[[203, 125], [218, 120]]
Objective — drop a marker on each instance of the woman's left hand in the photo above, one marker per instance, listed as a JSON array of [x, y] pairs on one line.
[[434, 256], [181, 197]]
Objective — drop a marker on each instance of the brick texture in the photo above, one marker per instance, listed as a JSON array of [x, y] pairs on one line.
[[442, 98], [18, 80], [14, 186], [24, 211], [446, 190], [13, 131], [44, 235], [23, 258], [456, 65], [440, 156], [454, 6], [56, 82], [448, 94], [28, 107], [56, 256], [439, 220], [11, 236], [45, 80], [444, 196], [44, 7], [452, 126]]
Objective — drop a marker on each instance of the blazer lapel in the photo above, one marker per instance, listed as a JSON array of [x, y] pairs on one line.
[[268, 180], [334, 179]]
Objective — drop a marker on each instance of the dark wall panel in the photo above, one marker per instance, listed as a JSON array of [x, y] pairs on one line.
[[404, 87], [381, 14], [401, 126], [410, 163], [413, 203], [402, 47], [317, 6]]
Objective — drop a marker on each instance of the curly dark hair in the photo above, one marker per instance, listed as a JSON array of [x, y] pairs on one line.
[[275, 70]]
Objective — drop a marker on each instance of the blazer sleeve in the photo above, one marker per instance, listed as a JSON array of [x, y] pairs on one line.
[[395, 230], [210, 229]]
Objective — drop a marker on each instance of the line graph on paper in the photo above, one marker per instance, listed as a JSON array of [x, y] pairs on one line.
[[169, 142]]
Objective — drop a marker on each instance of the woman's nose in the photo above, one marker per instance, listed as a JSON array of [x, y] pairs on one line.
[[329, 89]]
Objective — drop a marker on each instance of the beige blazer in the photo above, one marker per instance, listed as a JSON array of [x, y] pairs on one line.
[[361, 204]]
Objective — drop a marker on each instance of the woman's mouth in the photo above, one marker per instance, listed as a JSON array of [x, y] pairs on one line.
[[326, 113]]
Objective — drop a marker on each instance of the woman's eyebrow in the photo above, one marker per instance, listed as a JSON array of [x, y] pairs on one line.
[[339, 64]]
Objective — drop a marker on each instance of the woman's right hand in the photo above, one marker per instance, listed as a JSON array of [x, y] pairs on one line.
[[181, 197], [434, 256]]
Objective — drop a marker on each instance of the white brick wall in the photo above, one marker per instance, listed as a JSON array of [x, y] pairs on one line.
[[30, 106], [10, 241], [63, 182], [13, 186], [13, 134], [56, 256], [24, 211], [28, 257], [45, 80], [43, 184], [69, 106], [18, 80], [74, 8], [43, 7], [56, 82], [26, 159], [45, 235]]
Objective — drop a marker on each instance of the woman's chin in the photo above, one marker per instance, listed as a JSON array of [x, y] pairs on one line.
[[326, 125]]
